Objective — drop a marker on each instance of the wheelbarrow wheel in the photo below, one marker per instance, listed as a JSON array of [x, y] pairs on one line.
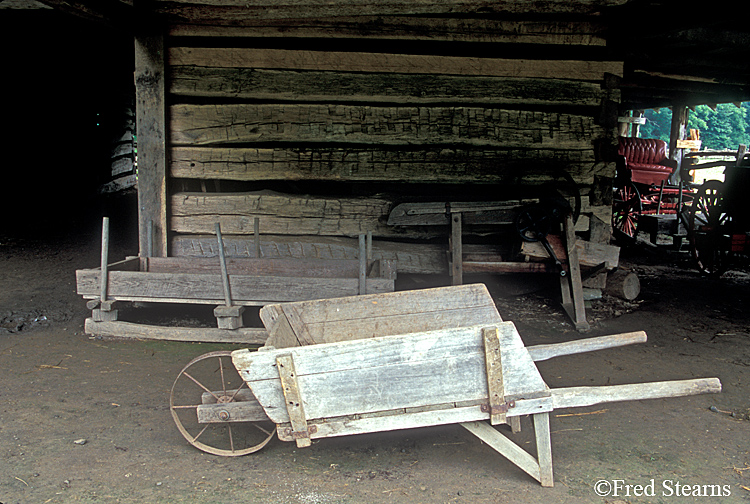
[[215, 411], [708, 223]]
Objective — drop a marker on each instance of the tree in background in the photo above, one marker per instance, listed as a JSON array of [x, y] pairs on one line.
[[724, 128], [658, 124]]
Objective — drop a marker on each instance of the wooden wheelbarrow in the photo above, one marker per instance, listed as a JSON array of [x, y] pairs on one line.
[[393, 361]]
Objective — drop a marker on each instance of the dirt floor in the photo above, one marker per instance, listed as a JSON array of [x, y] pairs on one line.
[[87, 420]]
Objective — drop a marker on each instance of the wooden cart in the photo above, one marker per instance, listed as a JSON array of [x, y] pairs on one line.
[[392, 361]]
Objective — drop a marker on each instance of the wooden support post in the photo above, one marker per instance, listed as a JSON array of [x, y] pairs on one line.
[[570, 285], [680, 114], [296, 410], [456, 246], [543, 448], [151, 129]]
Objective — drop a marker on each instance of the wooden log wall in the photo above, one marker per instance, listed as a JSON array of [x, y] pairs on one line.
[[317, 117]]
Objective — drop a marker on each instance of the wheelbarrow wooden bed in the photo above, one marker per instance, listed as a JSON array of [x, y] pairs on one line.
[[402, 360]]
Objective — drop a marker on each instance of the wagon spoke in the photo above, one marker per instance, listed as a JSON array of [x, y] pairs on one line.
[[201, 385]]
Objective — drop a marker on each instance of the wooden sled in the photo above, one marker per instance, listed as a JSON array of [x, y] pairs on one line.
[[411, 359]]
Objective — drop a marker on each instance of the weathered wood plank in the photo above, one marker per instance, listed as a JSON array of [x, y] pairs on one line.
[[207, 289], [207, 80], [372, 316], [383, 373], [463, 29], [129, 330], [280, 214], [574, 397], [231, 12], [316, 268], [438, 165], [420, 258], [469, 126]]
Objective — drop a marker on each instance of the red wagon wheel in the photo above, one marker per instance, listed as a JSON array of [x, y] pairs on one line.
[[215, 411], [626, 208], [707, 229]]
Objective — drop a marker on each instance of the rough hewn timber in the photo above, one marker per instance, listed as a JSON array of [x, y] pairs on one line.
[[464, 29], [392, 63], [152, 151], [419, 258], [438, 165], [470, 126], [236, 11], [197, 213], [328, 86]]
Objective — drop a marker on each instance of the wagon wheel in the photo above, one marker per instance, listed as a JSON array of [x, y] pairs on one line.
[[707, 223], [626, 209], [208, 380]]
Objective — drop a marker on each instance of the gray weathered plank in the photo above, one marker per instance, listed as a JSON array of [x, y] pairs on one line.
[[389, 63], [387, 373], [207, 289], [383, 315]]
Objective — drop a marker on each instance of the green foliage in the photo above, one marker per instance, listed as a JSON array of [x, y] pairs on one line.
[[724, 128]]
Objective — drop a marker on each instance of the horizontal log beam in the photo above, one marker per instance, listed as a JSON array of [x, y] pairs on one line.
[[451, 166], [475, 29], [280, 59], [233, 11], [468, 126], [336, 86]]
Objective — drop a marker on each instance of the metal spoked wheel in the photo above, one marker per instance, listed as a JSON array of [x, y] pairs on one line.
[[626, 209], [215, 411], [708, 224]]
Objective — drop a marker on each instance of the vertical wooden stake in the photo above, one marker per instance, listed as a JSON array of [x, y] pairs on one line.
[[457, 267], [362, 265], [256, 236], [223, 263], [104, 280]]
